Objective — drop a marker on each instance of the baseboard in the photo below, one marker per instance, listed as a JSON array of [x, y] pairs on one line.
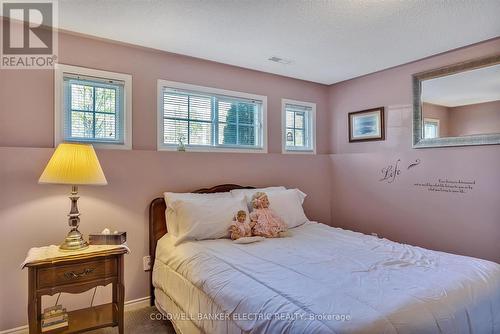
[[130, 305], [136, 304], [17, 330]]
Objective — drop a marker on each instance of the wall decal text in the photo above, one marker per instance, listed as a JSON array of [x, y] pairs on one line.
[[448, 186], [389, 173], [413, 164], [392, 171]]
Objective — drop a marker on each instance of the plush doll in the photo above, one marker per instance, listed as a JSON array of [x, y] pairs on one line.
[[240, 227], [266, 223]]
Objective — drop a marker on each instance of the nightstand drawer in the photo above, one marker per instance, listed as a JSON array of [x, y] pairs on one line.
[[77, 273]]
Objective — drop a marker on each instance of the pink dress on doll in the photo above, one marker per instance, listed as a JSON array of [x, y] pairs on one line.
[[267, 223], [240, 229]]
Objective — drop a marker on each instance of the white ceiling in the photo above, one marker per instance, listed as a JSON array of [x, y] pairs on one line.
[[327, 41], [471, 87]]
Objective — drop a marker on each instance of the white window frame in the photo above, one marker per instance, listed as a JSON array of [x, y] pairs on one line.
[[60, 71], [433, 120], [288, 150], [161, 146]]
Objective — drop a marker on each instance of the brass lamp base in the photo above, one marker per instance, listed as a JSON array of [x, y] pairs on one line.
[[74, 241]]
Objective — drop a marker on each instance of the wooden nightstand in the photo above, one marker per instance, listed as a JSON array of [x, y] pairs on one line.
[[76, 274]]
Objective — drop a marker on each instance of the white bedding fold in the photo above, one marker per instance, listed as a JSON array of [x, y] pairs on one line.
[[329, 280]]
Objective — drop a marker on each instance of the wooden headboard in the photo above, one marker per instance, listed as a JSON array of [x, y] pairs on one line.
[[158, 225]]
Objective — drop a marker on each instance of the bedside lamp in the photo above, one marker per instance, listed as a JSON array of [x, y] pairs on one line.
[[74, 164]]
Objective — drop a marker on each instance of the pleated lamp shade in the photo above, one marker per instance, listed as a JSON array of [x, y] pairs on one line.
[[74, 164]]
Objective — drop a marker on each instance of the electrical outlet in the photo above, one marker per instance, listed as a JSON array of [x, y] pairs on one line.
[[146, 263]]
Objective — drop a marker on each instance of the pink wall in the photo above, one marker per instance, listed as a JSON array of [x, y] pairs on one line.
[[146, 66], [475, 119], [344, 185], [437, 112], [480, 118], [35, 215], [461, 223]]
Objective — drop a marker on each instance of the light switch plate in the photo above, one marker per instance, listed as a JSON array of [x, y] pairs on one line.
[[146, 263]]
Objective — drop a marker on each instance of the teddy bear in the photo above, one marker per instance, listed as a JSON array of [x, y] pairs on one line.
[[266, 223]]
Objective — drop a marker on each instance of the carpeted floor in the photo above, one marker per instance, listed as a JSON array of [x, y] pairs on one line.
[[139, 321]]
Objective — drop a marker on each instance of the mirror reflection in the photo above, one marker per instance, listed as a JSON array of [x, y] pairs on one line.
[[462, 104]]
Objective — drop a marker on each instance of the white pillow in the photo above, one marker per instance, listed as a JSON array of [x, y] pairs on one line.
[[302, 195], [170, 197], [206, 218], [249, 193], [288, 205]]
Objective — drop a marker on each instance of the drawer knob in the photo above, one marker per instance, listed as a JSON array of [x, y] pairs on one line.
[[73, 275]]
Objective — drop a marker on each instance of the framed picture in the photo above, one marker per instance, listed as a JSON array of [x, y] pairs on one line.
[[366, 125]]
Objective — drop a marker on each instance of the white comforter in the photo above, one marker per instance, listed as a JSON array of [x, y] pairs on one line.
[[329, 280]]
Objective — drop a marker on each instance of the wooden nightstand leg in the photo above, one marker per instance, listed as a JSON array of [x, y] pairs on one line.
[[119, 309], [115, 301], [34, 305], [121, 295]]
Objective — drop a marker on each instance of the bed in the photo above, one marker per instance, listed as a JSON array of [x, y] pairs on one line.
[[319, 280]]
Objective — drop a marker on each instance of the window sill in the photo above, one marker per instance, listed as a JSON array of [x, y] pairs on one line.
[[101, 146], [288, 151], [198, 149]]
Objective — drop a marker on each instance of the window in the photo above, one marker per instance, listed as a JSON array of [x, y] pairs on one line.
[[209, 119], [93, 106], [431, 128], [298, 126]]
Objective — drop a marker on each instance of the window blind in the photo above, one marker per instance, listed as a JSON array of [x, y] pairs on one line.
[[93, 109], [298, 127], [211, 120]]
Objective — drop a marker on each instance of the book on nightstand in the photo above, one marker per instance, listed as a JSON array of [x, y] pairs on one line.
[[54, 317], [57, 325]]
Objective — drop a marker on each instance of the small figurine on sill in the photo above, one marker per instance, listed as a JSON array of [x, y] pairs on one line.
[[181, 147], [240, 227], [266, 223]]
